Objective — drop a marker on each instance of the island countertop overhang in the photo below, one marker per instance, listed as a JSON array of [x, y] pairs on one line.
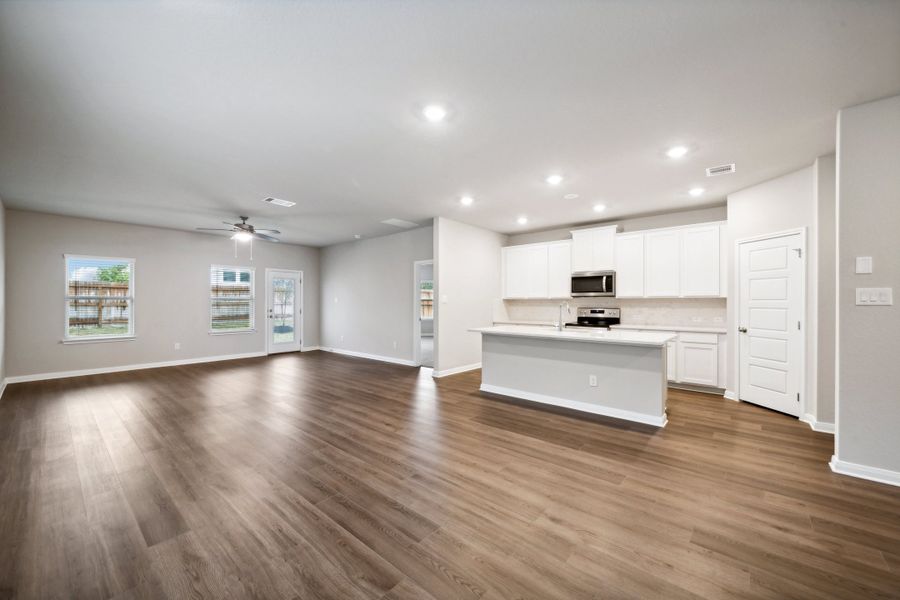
[[627, 338]]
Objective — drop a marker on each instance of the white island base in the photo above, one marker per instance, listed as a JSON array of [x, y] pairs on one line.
[[558, 368]]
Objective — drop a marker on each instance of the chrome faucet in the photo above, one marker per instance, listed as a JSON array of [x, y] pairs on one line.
[[560, 325]]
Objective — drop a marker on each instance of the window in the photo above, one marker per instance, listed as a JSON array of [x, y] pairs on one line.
[[99, 297], [426, 299], [231, 299]]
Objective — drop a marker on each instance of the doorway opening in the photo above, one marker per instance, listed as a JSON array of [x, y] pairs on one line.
[[423, 312]]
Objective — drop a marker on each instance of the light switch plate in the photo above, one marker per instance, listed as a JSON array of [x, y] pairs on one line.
[[874, 296], [863, 264]]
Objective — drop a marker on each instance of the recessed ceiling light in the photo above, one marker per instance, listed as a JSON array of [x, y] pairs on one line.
[[697, 191], [466, 200], [356, 236], [279, 202], [676, 151], [522, 220], [599, 207], [570, 196], [434, 113], [242, 236], [554, 179]]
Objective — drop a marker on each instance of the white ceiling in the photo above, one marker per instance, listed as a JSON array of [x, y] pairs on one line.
[[184, 113]]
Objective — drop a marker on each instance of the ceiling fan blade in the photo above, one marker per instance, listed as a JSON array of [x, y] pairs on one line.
[[212, 229], [267, 231], [262, 236]]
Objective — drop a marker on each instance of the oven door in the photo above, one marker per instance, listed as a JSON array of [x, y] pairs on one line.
[[593, 284]]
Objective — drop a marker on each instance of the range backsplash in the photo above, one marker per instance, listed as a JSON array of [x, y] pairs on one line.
[[695, 312]]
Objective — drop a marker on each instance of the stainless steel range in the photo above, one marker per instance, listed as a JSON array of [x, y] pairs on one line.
[[595, 318]]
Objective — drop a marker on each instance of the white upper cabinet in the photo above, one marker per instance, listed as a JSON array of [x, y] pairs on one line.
[[700, 261], [630, 265], [515, 272], [662, 264], [537, 270], [594, 249], [560, 269], [678, 262]]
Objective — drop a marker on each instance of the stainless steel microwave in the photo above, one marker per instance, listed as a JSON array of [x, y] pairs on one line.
[[593, 283]]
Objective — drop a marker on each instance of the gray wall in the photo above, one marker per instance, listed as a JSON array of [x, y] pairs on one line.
[[868, 221], [367, 293], [827, 231], [669, 219], [784, 203], [171, 292], [467, 284]]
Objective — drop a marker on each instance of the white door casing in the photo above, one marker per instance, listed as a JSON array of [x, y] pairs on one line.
[[771, 299], [284, 308]]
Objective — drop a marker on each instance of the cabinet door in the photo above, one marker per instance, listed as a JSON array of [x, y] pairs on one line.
[[603, 249], [559, 256], [582, 250], [700, 261], [698, 363], [630, 265], [672, 361], [515, 272], [662, 264], [537, 266]]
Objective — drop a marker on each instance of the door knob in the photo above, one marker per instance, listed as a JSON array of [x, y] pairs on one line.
[[742, 329]]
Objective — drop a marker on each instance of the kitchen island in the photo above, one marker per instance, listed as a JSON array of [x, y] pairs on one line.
[[612, 373]]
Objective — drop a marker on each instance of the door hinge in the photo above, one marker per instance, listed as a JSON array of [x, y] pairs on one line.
[[799, 252], [798, 325], [798, 396]]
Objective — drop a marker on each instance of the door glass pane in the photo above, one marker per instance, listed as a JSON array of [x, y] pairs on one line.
[[283, 311]]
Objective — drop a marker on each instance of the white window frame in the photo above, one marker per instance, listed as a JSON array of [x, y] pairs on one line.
[[77, 339], [252, 328]]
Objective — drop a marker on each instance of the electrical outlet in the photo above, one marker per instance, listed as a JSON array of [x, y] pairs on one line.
[[178, 345], [592, 380], [342, 338], [395, 344]]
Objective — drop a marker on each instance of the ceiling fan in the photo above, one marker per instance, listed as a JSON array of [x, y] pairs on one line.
[[244, 231]]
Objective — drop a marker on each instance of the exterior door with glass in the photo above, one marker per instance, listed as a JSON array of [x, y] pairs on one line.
[[284, 325]]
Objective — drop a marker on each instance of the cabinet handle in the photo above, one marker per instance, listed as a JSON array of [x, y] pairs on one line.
[[742, 329]]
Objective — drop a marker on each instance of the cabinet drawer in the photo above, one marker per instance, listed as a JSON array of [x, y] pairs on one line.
[[698, 338]]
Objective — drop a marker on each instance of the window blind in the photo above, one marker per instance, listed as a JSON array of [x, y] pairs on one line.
[[231, 299]]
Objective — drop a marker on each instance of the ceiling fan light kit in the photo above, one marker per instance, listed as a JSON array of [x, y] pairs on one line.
[[244, 232]]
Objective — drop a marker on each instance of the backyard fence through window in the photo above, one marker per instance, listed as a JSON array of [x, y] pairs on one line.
[[99, 297]]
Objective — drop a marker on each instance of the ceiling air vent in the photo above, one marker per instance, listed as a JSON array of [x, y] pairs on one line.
[[720, 170], [400, 223], [279, 202]]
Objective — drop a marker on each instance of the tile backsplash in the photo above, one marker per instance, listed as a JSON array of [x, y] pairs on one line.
[[694, 312]]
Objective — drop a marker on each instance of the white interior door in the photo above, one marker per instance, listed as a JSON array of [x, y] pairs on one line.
[[770, 338], [284, 328]]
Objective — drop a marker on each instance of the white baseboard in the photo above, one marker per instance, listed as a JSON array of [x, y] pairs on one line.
[[133, 367], [309, 348], [388, 359], [822, 426], [729, 395], [606, 411], [2, 387], [864, 472], [455, 370]]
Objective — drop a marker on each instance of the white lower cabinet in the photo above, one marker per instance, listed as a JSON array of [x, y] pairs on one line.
[[698, 364], [695, 358]]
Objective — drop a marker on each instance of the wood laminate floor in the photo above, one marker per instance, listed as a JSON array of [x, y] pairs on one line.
[[321, 476]]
